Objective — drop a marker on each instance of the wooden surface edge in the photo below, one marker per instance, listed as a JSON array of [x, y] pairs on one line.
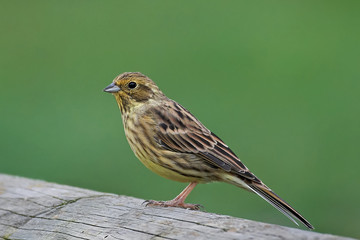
[[35, 209]]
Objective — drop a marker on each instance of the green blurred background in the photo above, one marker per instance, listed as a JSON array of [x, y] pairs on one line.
[[278, 81]]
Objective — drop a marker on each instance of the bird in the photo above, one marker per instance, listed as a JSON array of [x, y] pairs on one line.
[[173, 143]]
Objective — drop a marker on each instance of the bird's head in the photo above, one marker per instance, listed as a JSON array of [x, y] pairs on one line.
[[133, 88]]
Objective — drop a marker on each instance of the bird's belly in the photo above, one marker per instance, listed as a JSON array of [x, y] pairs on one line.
[[168, 173], [168, 168]]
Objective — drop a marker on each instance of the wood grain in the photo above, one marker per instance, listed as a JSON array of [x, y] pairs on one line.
[[33, 209]]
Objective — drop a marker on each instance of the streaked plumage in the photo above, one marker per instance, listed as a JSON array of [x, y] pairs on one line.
[[170, 141]]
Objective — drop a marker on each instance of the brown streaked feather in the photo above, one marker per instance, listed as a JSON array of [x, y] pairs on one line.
[[277, 202], [180, 131]]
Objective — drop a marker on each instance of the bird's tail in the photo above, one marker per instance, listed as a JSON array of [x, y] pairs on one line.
[[272, 198], [268, 195]]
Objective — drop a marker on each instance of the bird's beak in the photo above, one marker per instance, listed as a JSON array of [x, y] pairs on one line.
[[112, 88]]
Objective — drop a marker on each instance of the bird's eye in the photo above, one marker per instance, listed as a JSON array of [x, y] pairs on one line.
[[132, 85]]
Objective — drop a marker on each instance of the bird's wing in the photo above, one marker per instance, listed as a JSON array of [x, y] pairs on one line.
[[180, 131]]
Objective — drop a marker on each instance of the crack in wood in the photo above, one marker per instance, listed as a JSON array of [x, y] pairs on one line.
[[51, 231], [147, 233], [47, 210]]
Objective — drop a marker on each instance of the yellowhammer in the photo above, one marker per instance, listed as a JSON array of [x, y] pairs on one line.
[[173, 143]]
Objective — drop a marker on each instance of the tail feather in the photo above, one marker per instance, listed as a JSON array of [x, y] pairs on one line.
[[279, 204]]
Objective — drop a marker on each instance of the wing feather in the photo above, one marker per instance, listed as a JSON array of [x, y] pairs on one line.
[[180, 131]]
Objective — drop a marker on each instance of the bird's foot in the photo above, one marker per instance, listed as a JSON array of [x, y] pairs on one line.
[[173, 203]]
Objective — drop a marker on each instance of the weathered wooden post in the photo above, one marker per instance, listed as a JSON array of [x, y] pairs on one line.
[[33, 209]]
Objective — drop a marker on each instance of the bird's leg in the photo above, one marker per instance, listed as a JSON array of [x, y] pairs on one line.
[[179, 201], [183, 195]]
